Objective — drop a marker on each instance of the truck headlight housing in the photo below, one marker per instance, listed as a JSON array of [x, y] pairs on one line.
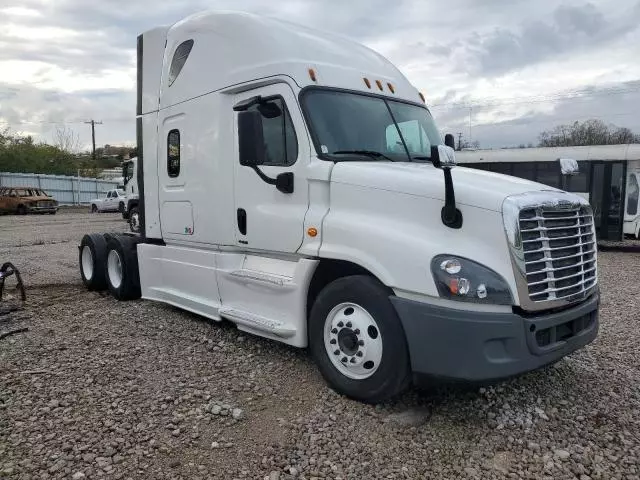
[[464, 280]]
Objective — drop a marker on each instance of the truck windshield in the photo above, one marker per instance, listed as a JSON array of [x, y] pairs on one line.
[[350, 126]]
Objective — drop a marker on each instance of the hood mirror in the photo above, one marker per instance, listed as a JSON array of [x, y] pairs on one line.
[[444, 158], [569, 166]]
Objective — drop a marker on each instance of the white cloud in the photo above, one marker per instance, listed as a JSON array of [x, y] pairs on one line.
[[71, 60], [19, 12]]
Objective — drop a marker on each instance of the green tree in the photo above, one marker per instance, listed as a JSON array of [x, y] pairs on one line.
[[21, 154]]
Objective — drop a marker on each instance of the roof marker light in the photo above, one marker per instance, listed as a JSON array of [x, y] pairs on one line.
[[422, 98], [379, 83], [367, 82], [393, 90], [312, 75]]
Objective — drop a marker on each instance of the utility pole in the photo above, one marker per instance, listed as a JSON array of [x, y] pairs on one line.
[[93, 137], [459, 141]]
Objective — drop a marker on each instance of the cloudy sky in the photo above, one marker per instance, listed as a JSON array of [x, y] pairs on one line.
[[499, 71]]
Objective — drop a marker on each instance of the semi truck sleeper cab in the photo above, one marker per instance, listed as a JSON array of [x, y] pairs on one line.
[[294, 182]]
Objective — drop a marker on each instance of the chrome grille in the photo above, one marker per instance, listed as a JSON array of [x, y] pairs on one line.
[[559, 251]]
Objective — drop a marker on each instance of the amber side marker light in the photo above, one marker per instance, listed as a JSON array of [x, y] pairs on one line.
[[379, 83], [312, 231], [312, 75], [367, 82]]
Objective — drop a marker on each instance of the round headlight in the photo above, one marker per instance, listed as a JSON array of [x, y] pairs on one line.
[[451, 266]]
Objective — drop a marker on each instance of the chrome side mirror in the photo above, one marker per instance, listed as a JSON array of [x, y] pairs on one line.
[[569, 166], [447, 156]]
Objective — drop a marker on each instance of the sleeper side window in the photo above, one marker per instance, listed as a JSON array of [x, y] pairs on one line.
[[179, 59], [173, 153], [280, 141]]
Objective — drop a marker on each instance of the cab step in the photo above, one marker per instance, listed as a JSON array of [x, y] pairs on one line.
[[258, 322]]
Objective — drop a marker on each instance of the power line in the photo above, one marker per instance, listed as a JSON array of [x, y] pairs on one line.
[[577, 94], [550, 121], [62, 122]]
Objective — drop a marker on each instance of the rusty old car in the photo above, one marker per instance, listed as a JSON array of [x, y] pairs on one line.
[[23, 200]]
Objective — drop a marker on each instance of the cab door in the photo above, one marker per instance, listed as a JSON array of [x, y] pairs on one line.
[[108, 202], [268, 218]]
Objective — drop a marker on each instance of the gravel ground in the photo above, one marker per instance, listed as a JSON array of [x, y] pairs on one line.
[[43, 247], [102, 389]]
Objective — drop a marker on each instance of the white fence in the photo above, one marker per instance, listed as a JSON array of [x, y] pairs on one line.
[[66, 190]]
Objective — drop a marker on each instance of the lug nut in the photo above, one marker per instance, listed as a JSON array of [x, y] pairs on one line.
[[358, 354], [336, 352], [353, 360], [361, 342], [333, 341], [334, 331], [357, 331], [344, 359], [340, 324], [349, 324]]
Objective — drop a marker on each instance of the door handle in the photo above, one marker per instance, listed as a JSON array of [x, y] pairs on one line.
[[242, 221]]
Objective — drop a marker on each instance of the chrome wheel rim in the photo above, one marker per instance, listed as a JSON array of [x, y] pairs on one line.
[[353, 341], [114, 268], [87, 262]]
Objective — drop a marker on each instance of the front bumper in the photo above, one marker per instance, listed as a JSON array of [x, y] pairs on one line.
[[481, 346], [47, 209]]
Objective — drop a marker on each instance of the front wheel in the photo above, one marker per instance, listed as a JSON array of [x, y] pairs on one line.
[[357, 340], [94, 209]]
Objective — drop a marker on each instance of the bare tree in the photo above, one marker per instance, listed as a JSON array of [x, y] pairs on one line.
[[590, 132], [66, 139]]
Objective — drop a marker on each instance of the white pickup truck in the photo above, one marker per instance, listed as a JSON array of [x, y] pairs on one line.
[[113, 201]]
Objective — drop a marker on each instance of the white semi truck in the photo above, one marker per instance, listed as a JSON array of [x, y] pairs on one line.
[[294, 182]]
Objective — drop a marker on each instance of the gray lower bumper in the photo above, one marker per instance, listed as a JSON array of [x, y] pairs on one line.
[[480, 346], [42, 209]]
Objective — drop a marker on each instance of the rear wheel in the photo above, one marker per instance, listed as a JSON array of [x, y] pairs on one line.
[[22, 210], [121, 266], [357, 340], [93, 249], [94, 209]]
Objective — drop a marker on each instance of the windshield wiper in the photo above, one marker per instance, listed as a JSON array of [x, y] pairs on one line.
[[368, 153]]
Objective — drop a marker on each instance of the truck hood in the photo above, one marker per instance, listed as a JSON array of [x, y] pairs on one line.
[[473, 187]]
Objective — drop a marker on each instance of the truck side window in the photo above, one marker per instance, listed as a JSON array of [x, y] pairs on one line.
[[173, 153], [280, 139]]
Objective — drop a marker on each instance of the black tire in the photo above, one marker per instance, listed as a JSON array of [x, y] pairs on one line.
[[134, 216], [22, 210], [124, 247], [121, 207], [94, 209], [97, 246], [393, 374]]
